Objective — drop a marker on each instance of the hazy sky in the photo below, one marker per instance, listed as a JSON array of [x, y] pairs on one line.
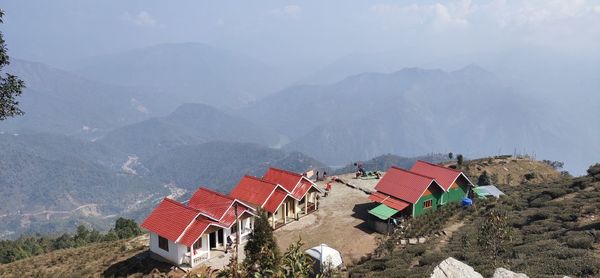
[[61, 32]]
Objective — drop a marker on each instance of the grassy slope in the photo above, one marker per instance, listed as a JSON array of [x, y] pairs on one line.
[[555, 227], [511, 170]]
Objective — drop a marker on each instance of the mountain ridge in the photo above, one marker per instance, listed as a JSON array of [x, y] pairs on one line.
[[189, 124]]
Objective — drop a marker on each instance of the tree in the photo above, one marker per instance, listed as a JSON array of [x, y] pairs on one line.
[[484, 179], [295, 263], [82, 235], [262, 253], [459, 159], [10, 85], [127, 228], [450, 155], [494, 235]]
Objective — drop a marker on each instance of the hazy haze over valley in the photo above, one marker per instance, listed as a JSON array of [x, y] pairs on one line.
[[152, 98]]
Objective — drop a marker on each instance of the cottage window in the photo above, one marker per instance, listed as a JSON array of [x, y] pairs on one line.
[[198, 244], [163, 243], [427, 204]]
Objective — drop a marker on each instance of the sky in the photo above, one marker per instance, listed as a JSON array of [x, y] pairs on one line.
[[63, 32], [548, 47]]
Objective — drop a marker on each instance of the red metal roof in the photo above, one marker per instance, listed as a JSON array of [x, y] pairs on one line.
[[196, 230], [287, 179], [229, 216], [403, 184], [173, 220], [301, 189], [444, 176], [211, 203], [170, 219], [275, 200], [389, 201], [295, 183], [253, 190]]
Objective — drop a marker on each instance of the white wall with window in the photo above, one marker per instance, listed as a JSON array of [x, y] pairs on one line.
[[167, 249]]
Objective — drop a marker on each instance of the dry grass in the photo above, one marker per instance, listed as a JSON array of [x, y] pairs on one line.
[[110, 259], [512, 170]]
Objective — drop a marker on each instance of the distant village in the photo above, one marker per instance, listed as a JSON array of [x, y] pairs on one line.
[[203, 229]]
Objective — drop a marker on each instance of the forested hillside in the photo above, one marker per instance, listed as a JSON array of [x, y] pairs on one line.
[[221, 165], [52, 183], [189, 124]]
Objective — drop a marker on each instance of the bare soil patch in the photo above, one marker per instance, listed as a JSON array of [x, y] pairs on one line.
[[339, 223]]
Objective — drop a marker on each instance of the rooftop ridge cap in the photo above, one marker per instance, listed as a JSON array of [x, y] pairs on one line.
[[439, 166], [285, 171], [414, 173], [180, 204], [214, 192], [260, 179]]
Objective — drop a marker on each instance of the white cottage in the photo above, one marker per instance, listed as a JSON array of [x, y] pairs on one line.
[[185, 234]]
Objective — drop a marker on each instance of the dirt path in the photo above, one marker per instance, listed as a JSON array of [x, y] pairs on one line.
[[338, 223], [451, 229]]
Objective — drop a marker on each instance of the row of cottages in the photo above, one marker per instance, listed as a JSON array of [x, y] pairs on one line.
[[185, 235], [410, 193], [284, 195]]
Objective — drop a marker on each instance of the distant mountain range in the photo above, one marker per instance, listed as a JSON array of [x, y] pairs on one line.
[[57, 101], [415, 111], [190, 124], [384, 162], [123, 132], [189, 72]]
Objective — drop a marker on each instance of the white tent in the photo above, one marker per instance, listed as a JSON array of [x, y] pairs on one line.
[[326, 255]]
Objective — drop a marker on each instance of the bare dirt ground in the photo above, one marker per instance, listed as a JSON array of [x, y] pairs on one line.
[[339, 223]]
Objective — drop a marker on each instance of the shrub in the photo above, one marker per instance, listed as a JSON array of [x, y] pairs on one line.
[[580, 241], [530, 176], [416, 250], [432, 259], [594, 169], [127, 228]]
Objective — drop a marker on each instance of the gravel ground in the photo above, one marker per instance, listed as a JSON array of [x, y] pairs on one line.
[[338, 223]]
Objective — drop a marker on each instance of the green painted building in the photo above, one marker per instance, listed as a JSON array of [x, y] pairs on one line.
[[420, 190]]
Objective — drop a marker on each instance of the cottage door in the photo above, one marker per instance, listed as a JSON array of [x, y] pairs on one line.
[[290, 209], [213, 240], [220, 237]]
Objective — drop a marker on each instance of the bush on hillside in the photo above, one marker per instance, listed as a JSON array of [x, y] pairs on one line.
[[127, 228], [580, 241], [594, 169], [27, 246]]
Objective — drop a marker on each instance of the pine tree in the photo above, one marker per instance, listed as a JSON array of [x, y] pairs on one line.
[[10, 85], [484, 179], [262, 252]]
